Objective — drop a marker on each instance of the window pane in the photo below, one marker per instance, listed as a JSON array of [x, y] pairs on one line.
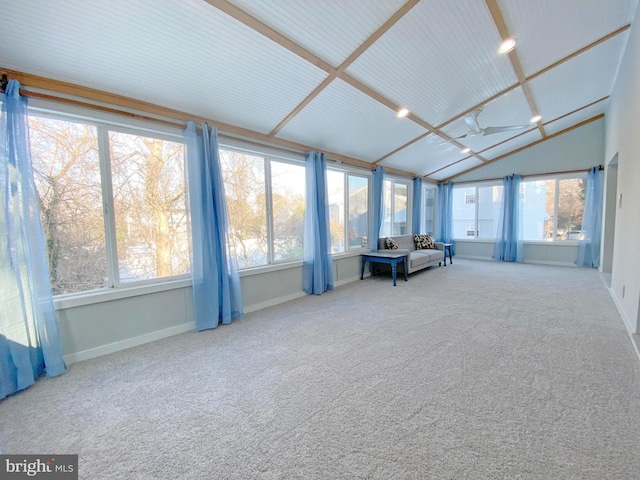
[[385, 228], [287, 194], [571, 193], [400, 209], [538, 199], [489, 205], [66, 171], [464, 214], [244, 186], [335, 189], [429, 210], [358, 211], [149, 206]]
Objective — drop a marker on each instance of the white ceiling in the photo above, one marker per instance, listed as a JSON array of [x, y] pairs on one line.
[[329, 74]]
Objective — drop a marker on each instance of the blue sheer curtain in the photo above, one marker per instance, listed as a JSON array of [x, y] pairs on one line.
[[445, 214], [317, 264], [509, 246], [29, 337], [589, 247], [217, 296], [416, 211], [378, 207]]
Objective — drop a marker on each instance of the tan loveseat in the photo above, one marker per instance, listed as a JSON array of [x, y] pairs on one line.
[[417, 259]]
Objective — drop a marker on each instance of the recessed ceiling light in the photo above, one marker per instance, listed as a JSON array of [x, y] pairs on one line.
[[507, 45], [403, 112], [466, 150], [536, 119]]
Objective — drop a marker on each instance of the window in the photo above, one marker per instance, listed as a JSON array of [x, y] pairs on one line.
[[553, 208], [113, 203], [476, 211], [395, 208], [429, 209], [348, 199], [266, 201], [469, 196]]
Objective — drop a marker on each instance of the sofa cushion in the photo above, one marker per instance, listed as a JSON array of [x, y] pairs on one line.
[[423, 242], [418, 258], [391, 244]]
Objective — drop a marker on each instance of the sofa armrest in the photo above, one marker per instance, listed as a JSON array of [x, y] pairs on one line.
[[439, 245]]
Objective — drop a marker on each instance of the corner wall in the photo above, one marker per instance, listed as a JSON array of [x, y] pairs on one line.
[[578, 149], [621, 138]]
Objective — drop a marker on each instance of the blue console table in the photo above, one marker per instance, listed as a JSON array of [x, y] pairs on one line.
[[386, 257]]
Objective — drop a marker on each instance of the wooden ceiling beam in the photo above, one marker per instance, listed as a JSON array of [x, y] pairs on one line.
[[348, 61], [518, 150], [503, 30]]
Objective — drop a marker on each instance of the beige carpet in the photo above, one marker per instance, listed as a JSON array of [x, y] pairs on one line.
[[478, 370]]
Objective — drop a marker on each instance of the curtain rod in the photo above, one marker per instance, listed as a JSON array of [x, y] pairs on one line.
[[600, 167]]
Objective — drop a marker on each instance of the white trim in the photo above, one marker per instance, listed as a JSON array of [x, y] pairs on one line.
[[128, 343], [625, 320], [108, 294], [274, 301]]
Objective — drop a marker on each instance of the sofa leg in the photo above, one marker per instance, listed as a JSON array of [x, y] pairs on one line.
[[440, 264]]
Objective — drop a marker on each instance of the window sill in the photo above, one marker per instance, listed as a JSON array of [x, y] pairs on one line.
[[556, 243], [109, 294]]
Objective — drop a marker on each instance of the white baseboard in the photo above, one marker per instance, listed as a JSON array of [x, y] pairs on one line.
[[128, 343], [625, 320], [272, 302], [532, 262]]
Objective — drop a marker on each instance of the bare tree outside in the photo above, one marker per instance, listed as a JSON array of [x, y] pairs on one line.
[[149, 203], [150, 206], [244, 184], [246, 194], [67, 176]]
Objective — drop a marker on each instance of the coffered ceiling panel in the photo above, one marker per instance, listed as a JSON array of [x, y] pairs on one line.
[[455, 169], [578, 117], [548, 30], [254, 67], [580, 81], [438, 61], [508, 110], [332, 29], [424, 156], [185, 55], [512, 144], [343, 119]]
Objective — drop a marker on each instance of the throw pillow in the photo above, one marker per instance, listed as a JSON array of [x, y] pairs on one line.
[[430, 244], [420, 241], [423, 242], [392, 244]]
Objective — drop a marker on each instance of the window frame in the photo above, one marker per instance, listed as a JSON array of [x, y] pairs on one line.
[[104, 122], [391, 207], [556, 178], [476, 186], [240, 147], [352, 172]]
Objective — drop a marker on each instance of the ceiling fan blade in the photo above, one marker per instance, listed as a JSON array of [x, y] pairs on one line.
[[492, 130], [472, 120]]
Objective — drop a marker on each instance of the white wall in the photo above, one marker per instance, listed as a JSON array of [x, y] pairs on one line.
[[105, 327], [622, 138], [579, 149]]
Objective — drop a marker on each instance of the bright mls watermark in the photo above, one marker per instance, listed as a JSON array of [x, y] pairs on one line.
[[52, 467]]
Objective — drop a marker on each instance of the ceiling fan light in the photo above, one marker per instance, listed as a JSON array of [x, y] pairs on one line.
[[403, 112], [507, 45], [536, 119]]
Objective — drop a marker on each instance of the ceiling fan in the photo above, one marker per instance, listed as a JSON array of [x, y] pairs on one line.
[[476, 130]]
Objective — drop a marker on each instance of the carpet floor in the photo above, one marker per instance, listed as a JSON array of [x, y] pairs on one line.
[[477, 370]]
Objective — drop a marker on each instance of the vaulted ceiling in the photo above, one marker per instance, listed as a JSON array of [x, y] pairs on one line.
[[330, 75]]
